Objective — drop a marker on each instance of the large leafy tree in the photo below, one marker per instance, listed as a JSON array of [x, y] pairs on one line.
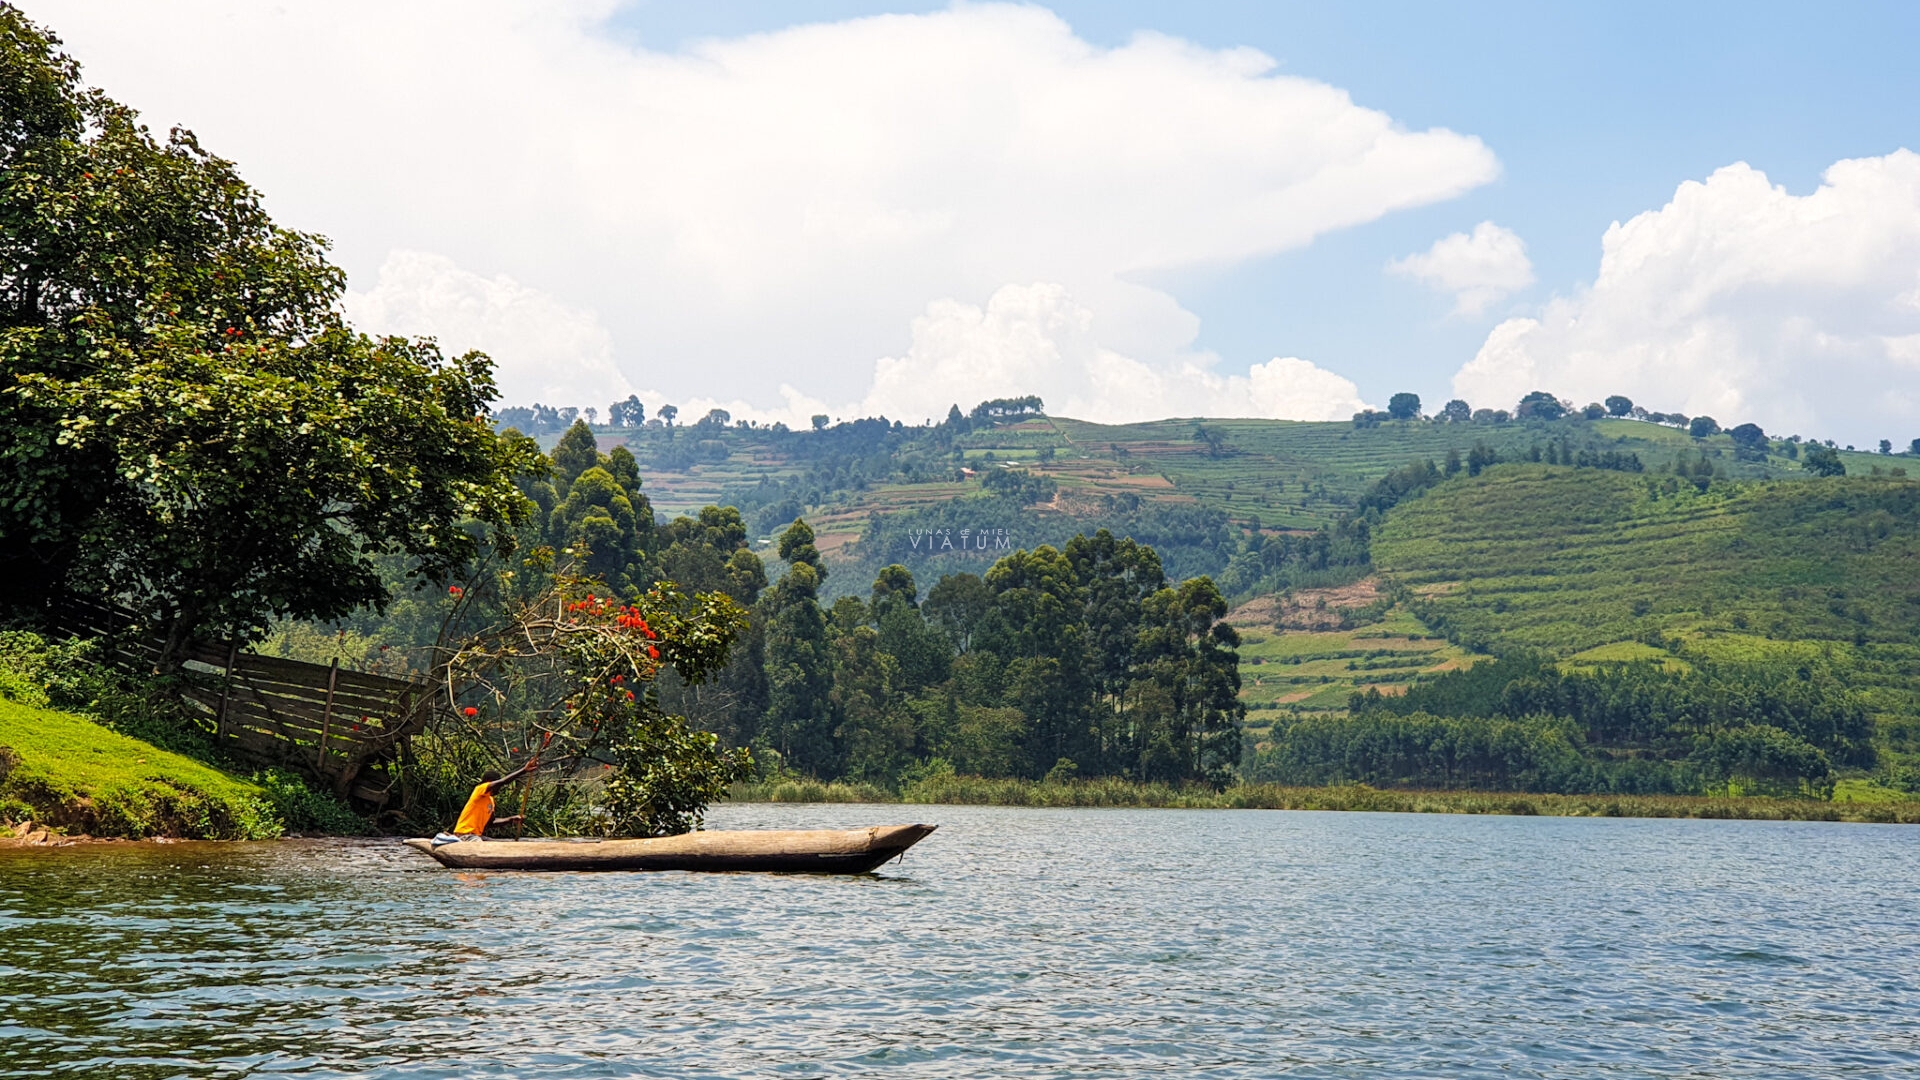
[[187, 425], [1540, 405]]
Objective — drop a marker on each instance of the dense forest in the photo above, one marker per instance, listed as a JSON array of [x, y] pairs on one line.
[[1524, 723], [1085, 659]]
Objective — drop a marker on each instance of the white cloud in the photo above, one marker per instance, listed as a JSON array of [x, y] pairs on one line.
[[543, 350], [1037, 339], [776, 208], [1480, 269], [1743, 302]]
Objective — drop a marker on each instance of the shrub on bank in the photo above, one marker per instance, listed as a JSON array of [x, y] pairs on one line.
[[303, 810]]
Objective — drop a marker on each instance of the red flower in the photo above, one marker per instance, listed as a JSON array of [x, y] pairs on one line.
[[453, 590], [653, 652], [471, 711], [618, 679]]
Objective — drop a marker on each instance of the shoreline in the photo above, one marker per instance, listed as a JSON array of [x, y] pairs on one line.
[[1358, 798], [1098, 795], [32, 835]]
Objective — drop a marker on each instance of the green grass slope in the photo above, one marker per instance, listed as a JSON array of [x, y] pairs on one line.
[[1572, 561], [70, 773]]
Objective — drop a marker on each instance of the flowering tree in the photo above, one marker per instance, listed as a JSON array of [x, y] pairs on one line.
[[570, 679]]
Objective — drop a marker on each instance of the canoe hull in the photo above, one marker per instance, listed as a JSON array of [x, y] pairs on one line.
[[811, 851]]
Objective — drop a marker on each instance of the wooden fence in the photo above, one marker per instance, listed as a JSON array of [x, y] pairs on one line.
[[339, 728]]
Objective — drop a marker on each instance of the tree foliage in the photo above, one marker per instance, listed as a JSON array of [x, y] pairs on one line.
[[1540, 405], [1522, 723], [188, 426], [1822, 460]]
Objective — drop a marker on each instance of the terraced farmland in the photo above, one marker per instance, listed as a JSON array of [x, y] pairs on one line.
[[1293, 670], [1572, 561], [1283, 474]]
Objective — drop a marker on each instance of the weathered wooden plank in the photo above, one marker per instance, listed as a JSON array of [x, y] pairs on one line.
[[313, 710], [347, 741], [345, 700], [243, 701], [343, 704], [293, 711], [300, 671], [260, 746], [343, 692], [299, 724]]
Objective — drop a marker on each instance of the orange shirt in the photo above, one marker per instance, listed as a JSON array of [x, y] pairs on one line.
[[478, 814]]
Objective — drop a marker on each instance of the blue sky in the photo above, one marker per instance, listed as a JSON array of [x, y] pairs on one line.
[[1596, 111], [1134, 210]]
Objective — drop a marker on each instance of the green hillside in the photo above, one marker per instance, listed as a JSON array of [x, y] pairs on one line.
[[1288, 474], [1590, 564], [1195, 489], [1635, 585], [1376, 556]]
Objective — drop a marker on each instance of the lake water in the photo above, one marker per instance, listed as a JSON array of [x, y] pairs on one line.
[[1009, 943]]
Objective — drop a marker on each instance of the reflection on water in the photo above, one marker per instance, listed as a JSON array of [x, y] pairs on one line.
[[1011, 942]]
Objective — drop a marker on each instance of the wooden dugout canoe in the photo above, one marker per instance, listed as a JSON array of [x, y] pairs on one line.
[[809, 851]]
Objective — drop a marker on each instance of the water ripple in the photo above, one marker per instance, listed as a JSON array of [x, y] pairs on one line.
[[1012, 943]]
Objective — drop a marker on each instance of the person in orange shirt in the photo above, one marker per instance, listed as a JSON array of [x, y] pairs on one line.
[[478, 815]]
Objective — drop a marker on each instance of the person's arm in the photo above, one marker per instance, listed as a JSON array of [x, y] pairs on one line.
[[514, 775]]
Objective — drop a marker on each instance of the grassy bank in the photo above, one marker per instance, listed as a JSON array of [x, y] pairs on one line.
[[974, 791], [76, 776]]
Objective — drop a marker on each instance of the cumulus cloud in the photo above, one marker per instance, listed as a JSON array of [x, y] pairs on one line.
[[775, 208], [1741, 301], [543, 350], [1479, 269], [1037, 339]]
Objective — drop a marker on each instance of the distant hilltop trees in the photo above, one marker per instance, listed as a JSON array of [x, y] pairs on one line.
[[538, 419], [1750, 441]]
